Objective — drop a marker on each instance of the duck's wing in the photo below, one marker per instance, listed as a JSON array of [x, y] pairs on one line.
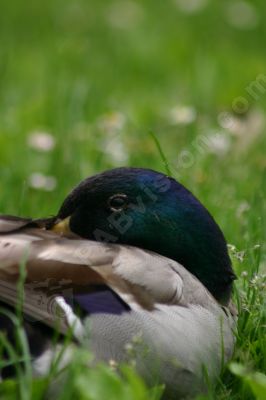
[[141, 279], [9, 223], [62, 272]]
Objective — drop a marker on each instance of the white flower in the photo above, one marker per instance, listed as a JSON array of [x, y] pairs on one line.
[[113, 364], [219, 143], [129, 347], [243, 207], [242, 15], [117, 151], [41, 141], [112, 122], [124, 14], [182, 115], [191, 6], [42, 182], [227, 120], [245, 129], [231, 247]]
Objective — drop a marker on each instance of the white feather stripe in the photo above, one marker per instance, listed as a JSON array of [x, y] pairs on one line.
[[72, 320]]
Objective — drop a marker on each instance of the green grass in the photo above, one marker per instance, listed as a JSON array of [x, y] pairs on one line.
[[102, 75]]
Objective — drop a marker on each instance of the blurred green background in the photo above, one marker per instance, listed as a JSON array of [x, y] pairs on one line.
[[84, 82], [99, 75]]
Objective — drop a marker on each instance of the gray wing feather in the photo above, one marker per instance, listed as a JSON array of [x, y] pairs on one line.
[[10, 223]]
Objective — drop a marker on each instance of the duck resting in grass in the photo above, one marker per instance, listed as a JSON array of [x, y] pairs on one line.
[[133, 258]]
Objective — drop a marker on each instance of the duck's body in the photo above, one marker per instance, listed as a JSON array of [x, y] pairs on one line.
[[133, 302]]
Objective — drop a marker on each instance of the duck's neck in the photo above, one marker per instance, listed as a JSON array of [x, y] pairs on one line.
[[187, 233], [206, 258]]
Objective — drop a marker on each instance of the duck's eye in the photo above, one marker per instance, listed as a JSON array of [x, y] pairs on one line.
[[118, 202]]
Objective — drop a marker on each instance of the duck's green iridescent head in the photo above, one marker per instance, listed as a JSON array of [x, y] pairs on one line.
[[147, 209]]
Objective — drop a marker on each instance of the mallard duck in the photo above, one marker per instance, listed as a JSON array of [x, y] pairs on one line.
[[133, 258]]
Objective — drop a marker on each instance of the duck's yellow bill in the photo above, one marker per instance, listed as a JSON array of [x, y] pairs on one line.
[[62, 227]]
